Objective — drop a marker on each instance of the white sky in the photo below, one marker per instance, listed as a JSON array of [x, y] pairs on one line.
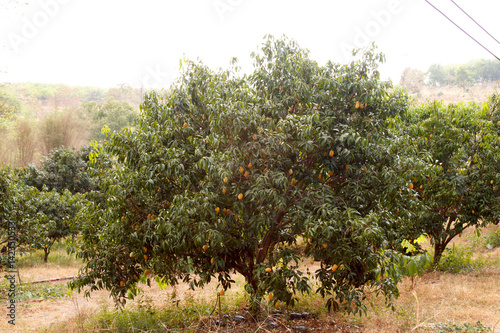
[[109, 42]]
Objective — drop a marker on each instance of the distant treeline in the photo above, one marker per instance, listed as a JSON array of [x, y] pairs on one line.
[[473, 72], [37, 118], [464, 75]]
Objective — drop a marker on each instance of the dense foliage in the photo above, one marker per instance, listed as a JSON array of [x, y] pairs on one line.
[[232, 173]]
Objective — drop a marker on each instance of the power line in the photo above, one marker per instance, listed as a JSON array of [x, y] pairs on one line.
[[465, 32], [479, 25]]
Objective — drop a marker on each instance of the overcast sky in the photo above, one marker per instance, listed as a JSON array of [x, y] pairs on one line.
[[108, 42]]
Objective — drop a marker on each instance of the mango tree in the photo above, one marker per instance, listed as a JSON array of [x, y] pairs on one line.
[[464, 148], [230, 173]]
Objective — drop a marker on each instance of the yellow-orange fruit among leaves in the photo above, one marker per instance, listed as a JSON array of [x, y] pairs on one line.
[[411, 186], [225, 179], [145, 257], [334, 267], [147, 272], [241, 169], [312, 261], [246, 174], [240, 196], [255, 136], [221, 293], [122, 283], [357, 105], [205, 247], [217, 210], [224, 190], [250, 165], [325, 245], [270, 297], [331, 153], [185, 125], [268, 270], [212, 260]]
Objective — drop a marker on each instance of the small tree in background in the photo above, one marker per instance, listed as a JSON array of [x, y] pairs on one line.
[[464, 148], [64, 168]]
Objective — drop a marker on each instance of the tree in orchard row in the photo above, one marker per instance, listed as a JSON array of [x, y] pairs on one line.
[[229, 173], [31, 219], [463, 143]]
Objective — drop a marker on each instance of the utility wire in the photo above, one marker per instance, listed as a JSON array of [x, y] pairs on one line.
[[479, 25], [465, 32]]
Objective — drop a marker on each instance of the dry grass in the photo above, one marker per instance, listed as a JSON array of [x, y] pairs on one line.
[[455, 94]]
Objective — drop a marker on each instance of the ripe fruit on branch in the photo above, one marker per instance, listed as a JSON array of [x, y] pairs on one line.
[[217, 210], [334, 267], [225, 179], [331, 153], [205, 247], [241, 169], [268, 270], [240, 196], [185, 125]]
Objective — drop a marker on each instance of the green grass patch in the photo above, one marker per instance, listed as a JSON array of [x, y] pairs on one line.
[[25, 292]]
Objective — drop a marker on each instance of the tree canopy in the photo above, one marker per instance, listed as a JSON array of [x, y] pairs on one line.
[[230, 173]]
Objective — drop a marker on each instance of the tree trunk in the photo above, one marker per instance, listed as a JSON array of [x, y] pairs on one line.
[[438, 252], [255, 297], [46, 250]]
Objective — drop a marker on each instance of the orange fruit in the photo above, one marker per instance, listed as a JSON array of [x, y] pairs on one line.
[[212, 260], [185, 125], [312, 261], [331, 153], [221, 293], [145, 257], [224, 190], [255, 136], [250, 165], [122, 283], [268, 270], [325, 245], [330, 173], [347, 167], [205, 247], [225, 179], [203, 117], [241, 170], [334, 267], [270, 297], [240, 196], [147, 272], [290, 172], [145, 250], [410, 186], [217, 210], [319, 177], [364, 168], [293, 181], [246, 174], [357, 105], [491, 182]]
